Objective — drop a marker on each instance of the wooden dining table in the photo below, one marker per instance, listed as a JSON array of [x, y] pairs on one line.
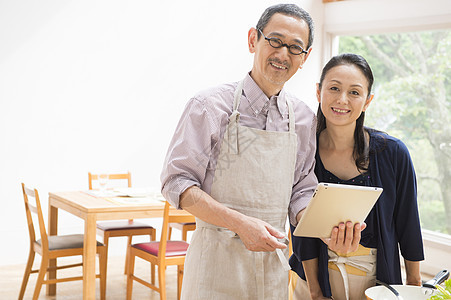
[[91, 209]]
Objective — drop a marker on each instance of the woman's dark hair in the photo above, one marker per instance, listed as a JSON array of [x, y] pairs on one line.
[[360, 152], [290, 10]]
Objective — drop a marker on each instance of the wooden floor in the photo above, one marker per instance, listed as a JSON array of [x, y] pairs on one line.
[[11, 280]]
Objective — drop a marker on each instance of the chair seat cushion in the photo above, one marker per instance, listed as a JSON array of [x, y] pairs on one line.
[[71, 241], [121, 224], [173, 248]]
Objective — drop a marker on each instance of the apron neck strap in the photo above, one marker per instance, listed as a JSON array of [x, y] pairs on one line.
[[237, 96], [237, 100], [291, 117]]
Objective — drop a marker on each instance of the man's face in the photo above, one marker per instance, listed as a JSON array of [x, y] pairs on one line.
[[274, 66]]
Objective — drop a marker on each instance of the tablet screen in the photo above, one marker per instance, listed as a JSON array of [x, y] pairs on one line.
[[332, 204]]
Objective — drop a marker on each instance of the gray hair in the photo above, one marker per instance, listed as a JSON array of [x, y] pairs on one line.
[[290, 10]]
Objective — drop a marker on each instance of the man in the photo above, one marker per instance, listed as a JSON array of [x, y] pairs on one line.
[[241, 159]]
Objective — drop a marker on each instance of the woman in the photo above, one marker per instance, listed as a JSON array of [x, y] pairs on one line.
[[350, 153]]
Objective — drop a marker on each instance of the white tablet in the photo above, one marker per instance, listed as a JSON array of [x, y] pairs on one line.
[[332, 204]]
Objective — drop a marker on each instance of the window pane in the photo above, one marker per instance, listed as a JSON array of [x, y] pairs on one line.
[[412, 102]]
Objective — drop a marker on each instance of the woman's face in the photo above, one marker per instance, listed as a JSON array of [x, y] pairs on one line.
[[343, 95]]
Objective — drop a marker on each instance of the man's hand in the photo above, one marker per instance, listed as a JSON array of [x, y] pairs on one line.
[[345, 239], [258, 235]]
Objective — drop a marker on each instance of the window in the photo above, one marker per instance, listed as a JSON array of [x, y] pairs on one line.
[[412, 102]]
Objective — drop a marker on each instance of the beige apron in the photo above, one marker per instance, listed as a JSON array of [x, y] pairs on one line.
[[349, 276], [254, 175]]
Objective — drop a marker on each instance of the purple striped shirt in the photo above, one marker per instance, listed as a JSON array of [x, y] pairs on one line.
[[192, 155]]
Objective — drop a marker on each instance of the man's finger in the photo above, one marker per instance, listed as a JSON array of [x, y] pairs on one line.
[[266, 247], [274, 243], [269, 245], [274, 232]]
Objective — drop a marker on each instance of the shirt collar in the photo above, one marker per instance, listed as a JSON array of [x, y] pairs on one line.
[[258, 101]]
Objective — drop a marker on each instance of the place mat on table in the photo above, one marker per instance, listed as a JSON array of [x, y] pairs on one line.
[[136, 200]]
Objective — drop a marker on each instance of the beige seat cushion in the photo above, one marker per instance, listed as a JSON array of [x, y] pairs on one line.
[[58, 242]]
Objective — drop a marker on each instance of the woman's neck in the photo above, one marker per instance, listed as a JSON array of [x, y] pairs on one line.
[[337, 138]]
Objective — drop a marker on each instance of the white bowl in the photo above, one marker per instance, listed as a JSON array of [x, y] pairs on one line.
[[407, 292]]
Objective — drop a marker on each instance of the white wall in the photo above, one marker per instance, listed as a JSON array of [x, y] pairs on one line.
[[100, 85]]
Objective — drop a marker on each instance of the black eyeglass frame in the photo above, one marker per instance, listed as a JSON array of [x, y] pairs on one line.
[[281, 44]]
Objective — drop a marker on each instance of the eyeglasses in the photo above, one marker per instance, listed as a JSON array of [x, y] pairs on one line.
[[277, 43]]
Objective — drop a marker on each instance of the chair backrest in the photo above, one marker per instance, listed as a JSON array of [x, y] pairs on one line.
[[171, 216], [126, 176], [31, 210]]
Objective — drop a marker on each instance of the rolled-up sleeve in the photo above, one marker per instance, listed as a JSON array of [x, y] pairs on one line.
[[189, 152], [305, 179]]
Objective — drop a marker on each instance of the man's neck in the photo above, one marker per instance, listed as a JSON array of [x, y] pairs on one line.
[[267, 88]]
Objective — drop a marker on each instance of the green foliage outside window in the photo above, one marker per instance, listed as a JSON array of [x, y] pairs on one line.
[[443, 293], [412, 102]]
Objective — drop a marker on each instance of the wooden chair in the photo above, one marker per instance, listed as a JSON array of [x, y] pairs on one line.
[[184, 227], [121, 228], [51, 247], [162, 253]]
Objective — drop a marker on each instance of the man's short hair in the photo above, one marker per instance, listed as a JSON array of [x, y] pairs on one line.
[[290, 10]]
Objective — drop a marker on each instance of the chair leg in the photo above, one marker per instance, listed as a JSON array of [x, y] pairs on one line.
[[106, 240], [102, 269], [41, 274], [152, 273], [27, 273], [130, 271], [162, 281], [127, 253], [184, 233], [169, 233], [152, 266], [180, 269]]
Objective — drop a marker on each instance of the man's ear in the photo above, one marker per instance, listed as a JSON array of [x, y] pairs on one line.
[[305, 57], [252, 39]]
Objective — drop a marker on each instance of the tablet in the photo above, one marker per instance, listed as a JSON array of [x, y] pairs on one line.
[[332, 204]]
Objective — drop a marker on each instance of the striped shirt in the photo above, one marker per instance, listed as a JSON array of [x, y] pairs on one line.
[[193, 152]]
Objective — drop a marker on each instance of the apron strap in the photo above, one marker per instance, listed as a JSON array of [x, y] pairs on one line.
[[232, 133], [362, 262], [233, 128], [291, 117], [260, 274], [283, 260], [237, 96]]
